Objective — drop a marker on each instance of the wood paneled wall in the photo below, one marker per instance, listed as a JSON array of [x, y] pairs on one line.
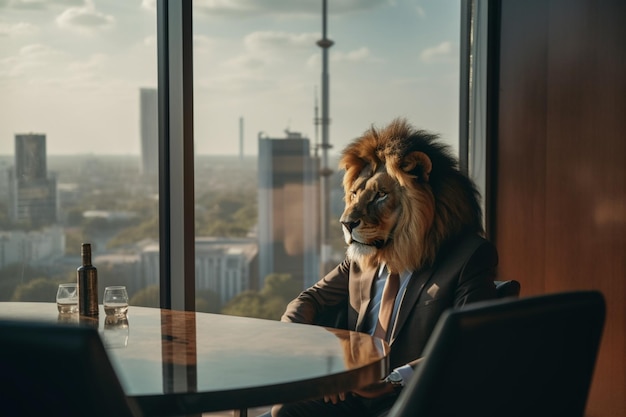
[[559, 135]]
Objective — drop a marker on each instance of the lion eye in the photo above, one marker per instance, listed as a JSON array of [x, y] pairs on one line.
[[352, 195], [381, 195]]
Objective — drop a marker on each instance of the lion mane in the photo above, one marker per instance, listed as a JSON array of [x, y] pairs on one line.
[[405, 197]]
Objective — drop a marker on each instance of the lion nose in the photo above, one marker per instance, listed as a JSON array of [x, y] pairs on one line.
[[351, 225]]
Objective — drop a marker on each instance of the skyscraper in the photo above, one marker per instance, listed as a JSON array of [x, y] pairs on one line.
[[35, 193], [149, 126], [288, 228]]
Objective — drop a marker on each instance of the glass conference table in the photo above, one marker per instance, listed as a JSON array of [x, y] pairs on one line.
[[177, 363]]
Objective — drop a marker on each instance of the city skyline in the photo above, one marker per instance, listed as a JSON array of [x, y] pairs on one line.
[[71, 70]]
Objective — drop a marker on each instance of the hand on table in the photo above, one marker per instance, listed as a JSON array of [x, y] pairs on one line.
[[335, 398]]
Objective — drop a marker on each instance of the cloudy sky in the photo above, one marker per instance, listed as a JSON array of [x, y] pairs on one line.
[[72, 69]]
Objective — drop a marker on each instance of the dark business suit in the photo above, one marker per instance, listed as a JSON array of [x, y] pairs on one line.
[[463, 272]]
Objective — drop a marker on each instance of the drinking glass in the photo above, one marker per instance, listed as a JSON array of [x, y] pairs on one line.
[[67, 298], [115, 301]]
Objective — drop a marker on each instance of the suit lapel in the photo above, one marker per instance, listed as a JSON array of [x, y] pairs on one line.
[[365, 294], [413, 292]]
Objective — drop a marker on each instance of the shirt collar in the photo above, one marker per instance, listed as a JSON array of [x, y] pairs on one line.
[[404, 275]]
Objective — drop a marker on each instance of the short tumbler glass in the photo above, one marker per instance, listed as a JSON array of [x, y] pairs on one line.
[[115, 301], [67, 298]]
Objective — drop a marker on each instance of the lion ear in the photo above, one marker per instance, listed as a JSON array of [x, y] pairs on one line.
[[419, 161]]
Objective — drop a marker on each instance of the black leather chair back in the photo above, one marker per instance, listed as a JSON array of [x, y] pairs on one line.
[[523, 357], [510, 288], [51, 370]]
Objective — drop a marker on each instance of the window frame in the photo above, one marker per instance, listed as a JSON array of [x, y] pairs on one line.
[[176, 164]]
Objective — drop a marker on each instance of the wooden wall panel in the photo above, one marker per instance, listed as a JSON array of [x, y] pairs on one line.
[[585, 178], [568, 82], [520, 173]]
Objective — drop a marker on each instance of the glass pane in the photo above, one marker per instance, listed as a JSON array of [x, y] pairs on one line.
[[257, 98], [75, 123]]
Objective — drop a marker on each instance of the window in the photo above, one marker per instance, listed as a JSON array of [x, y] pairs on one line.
[[76, 82], [258, 125], [80, 90]]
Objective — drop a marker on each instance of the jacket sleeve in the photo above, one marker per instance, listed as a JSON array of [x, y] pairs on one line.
[[329, 292]]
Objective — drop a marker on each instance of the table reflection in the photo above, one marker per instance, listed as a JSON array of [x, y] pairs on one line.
[[178, 351], [178, 362], [115, 332]]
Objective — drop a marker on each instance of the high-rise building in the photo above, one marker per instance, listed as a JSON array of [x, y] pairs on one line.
[[288, 227], [30, 157], [6, 168], [149, 126], [34, 192]]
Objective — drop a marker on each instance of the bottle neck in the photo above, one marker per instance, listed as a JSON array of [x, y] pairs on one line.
[[86, 254]]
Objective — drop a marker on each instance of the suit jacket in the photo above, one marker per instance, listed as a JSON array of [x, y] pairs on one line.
[[463, 273]]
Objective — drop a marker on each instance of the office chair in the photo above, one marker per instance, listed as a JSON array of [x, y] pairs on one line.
[[531, 356], [510, 288], [54, 370]]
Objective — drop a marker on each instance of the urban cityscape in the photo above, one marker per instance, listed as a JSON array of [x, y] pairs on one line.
[[74, 167], [257, 218]]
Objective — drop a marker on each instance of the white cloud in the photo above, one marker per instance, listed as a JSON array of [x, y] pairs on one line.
[[41, 65], [269, 40], [94, 62], [265, 54], [148, 5], [202, 44], [17, 29], [245, 62], [358, 55], [38, 4], [150, 40], [361, 54], [226, 7], [440, 52], [29, 58], [281, 7], [36, 50], [85, 19], [268, 49]]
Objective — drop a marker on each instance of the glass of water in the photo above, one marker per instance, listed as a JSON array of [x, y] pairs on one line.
[[115, 301], [67, 298]]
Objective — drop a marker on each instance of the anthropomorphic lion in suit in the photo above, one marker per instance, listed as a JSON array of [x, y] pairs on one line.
[[408, 210]]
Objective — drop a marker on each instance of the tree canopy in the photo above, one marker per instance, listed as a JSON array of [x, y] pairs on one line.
[[269, 303], [39, 290]]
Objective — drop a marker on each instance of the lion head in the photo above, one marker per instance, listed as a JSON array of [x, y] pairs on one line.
[[404, 198]]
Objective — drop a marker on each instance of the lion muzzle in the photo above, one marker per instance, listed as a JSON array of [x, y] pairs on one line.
[[351, 225]]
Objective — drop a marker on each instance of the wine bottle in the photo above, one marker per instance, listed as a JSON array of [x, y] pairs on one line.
[[87, 276]]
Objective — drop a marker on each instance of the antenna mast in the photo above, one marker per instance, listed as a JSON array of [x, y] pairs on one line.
[[325, 171], [316, 122]]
